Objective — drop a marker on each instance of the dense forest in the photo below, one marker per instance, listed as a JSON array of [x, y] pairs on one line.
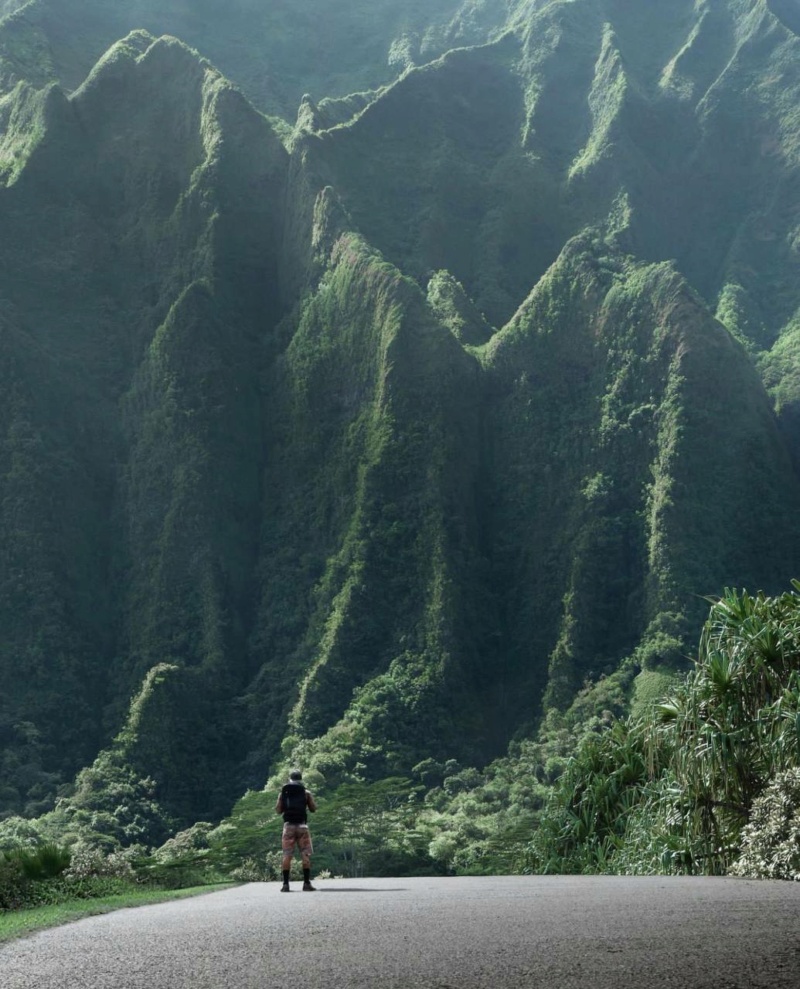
[[389, 389]]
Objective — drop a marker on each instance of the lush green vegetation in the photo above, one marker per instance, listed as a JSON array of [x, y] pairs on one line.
[[268, 49], [703, 780], [405, 443], [46, 874], [706, 780], [43, 884], [20, 923]]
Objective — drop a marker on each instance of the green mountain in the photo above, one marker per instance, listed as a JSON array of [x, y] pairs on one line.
[[276, 52], [362, 426]]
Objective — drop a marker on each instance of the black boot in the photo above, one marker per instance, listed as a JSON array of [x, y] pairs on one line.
[[285, 887]]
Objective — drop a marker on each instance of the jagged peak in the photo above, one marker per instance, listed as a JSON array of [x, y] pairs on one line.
[[591, 264], [330, 221], [165, 54], [447, 298], [307, 115], [118, 60], [25, 114], [173, 53]]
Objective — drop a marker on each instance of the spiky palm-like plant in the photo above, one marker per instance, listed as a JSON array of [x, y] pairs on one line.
[[44, 862], [735, 722], [673, 790]]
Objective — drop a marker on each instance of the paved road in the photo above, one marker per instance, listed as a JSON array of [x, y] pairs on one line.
[[520, 932]]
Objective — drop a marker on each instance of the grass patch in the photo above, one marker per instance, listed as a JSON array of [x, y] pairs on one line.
[[18, 923]]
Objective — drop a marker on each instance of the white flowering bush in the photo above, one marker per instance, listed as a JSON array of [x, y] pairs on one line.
[[191, 843], [266, 869], [250, 871], [87, 860], [771, 840]]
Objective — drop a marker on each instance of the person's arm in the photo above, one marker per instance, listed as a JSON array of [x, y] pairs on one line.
[[310, 801], [279, 804]]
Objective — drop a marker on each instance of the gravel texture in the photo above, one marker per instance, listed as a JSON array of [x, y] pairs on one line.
[[465, 933]]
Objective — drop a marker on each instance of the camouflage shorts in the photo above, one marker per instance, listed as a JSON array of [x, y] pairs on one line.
[[296, 834]]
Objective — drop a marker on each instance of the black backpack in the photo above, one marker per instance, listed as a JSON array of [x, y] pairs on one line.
[[293, 798]]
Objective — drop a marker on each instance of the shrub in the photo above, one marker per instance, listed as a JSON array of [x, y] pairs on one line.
[[189, 843], [50, 875], [45, 862], [673, 790], [173, 875], [89, 861], [254, 871], [13, 884], [771, 839], [18, 832]]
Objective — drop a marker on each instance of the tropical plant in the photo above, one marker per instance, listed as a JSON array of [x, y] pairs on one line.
[[46, 862], [771, 839], [733, 725], [673, 790], [588, 813]]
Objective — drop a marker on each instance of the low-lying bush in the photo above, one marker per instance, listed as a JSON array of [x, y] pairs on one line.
[[13, 884], [27, 875], [44, 862], [771, 840]]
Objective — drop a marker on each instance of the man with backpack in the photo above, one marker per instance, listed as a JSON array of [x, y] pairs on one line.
[[294, 803]]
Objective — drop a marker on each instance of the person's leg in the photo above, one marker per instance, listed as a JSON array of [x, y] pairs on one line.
[[306, 849], [286, 868], [288, 840]]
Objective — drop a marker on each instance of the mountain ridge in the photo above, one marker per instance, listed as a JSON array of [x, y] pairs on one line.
[[348, 444]]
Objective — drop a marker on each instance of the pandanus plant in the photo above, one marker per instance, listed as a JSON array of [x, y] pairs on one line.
[[673, 790], [735, 722]]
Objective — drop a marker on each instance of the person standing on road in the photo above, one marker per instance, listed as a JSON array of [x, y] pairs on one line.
[[294, 803]]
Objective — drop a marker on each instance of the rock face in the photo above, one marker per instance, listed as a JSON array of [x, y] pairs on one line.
[[382, 438]]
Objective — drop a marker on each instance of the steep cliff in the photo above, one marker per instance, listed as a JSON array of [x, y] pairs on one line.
[[139, 275], [381, 438]]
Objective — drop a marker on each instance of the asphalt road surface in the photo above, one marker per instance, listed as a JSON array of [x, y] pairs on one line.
[[475, 933]]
